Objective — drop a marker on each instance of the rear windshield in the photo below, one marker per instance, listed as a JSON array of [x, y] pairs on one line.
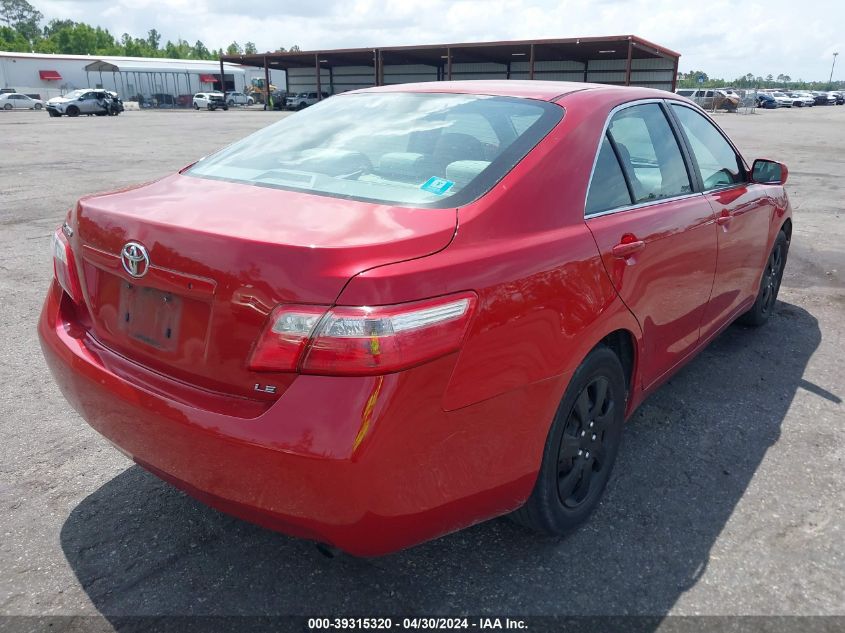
[[426, 150]]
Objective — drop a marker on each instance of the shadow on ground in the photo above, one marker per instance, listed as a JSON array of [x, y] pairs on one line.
[[139, 547]]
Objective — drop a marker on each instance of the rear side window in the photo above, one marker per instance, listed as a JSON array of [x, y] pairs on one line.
[[649, 153], [607, 188], [717, 161]]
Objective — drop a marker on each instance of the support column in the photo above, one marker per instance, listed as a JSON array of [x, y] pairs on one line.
[[380, 68], [222, 80], [675, 75], [317, 71], [628, 62], [266, 84], [448, 64], [508, 71], [375, 67], [531, 63]]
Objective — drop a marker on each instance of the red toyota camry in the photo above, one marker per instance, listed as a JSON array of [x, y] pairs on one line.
[[409, 309]]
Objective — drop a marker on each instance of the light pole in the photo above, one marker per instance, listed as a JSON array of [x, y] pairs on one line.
[[830, 80]]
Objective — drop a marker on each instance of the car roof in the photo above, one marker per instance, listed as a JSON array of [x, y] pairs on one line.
[[527, 89]]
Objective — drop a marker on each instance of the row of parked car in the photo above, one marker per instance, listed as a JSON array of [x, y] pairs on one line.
[[801, 99], [281, 100], [730, 99]]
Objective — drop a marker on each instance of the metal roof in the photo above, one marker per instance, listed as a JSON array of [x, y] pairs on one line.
[[128, 64], [564, 49], [114, 63]]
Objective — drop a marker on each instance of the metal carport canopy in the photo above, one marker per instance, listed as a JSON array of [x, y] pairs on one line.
[[582, 49]]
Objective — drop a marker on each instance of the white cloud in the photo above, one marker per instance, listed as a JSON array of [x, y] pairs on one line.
[[725, 38]]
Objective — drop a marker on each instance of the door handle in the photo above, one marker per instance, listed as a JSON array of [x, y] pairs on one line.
[[626, 249], [724, 218]]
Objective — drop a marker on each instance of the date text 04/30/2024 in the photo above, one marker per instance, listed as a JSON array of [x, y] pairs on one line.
[[417, 623]]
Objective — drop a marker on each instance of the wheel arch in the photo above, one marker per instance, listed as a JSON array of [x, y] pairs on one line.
[[624, 344], [786, 227]]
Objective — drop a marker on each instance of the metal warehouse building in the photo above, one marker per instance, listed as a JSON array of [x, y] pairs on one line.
[[620, 60], [53, 75]]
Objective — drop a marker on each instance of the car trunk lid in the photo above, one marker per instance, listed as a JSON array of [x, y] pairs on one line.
[[221, 255]]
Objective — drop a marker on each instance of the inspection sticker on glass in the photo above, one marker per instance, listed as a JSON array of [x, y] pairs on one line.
[[437, 185]]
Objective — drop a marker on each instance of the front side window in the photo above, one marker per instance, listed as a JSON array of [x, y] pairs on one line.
[[649, 153], [719, 164], [430, 150]]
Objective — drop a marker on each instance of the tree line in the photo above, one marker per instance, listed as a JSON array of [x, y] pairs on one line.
[[22, 30], [700, 79]]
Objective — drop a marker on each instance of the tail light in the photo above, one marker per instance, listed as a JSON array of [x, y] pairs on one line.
[[64, 264], [360, 341]]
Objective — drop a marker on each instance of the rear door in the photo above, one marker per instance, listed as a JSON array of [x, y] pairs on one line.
[[743, 212], [656, 235]]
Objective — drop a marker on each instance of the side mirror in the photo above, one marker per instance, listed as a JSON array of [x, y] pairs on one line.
[[769, 172]]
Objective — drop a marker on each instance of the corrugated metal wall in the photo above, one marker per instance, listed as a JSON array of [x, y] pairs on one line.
[[653, 73]]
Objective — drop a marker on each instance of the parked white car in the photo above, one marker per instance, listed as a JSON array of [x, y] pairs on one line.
[[303, 100], [802, 99], [209, 101], [783, 99], [17, 101], [238, 98]]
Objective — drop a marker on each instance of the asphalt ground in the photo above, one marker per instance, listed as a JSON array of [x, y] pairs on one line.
[[727, 497]]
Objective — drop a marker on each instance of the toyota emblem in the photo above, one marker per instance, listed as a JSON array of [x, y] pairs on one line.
[[134, 258]]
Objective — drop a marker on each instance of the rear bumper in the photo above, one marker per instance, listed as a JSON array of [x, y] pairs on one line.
[[370, 465]]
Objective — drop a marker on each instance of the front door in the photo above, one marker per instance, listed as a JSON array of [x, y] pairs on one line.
[[742, 214], [657, 237]]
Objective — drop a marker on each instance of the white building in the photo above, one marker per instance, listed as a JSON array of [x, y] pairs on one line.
[[49, 75]]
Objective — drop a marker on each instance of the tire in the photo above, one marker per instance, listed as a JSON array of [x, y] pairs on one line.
[[7, 106], [579, 443], [250, 102], [230, 102], [196, 107], [225, 108], [38, 106], [767, 295], [53, 113], [73, 111]]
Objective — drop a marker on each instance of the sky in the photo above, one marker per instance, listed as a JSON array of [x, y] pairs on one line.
[[724, 38]]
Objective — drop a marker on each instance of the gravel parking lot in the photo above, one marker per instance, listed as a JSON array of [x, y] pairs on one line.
[[728, 497]]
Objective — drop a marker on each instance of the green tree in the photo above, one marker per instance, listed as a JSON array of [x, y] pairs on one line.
[[23, 17], [12, 40], [153, 39], [77, 38], [249, 48], [234, 49], [178, 50], [200, 51]]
